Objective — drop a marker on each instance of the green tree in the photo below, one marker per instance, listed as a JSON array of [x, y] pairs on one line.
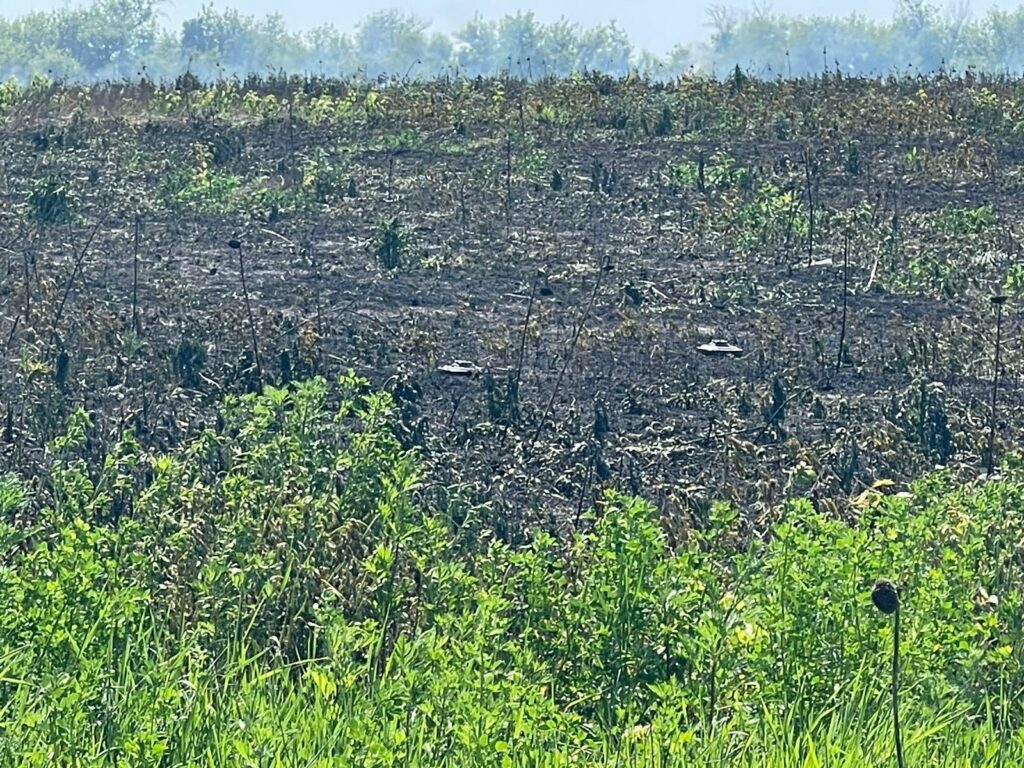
[[391, 43], [520, 43], [229, 42], [109, 38], [605, 49], [476, 47]]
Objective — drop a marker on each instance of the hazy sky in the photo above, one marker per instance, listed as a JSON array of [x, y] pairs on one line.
[[652, 24]]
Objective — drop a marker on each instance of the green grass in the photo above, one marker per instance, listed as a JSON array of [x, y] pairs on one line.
[[276, 593], [270, 719]]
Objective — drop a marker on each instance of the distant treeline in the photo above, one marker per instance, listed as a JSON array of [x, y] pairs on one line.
[[113, 39]]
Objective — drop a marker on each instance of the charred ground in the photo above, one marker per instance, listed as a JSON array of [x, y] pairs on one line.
[[577, 240]]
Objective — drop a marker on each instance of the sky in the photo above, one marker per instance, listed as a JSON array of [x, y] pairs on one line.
[[652, 24]]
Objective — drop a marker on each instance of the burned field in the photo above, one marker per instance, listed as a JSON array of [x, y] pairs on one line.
[[571, 244]]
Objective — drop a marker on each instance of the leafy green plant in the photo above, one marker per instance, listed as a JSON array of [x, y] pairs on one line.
[[1013, 283], [773, 216], [50, 201], [967, 221], [9, 93], [663, 126], [12, 496], [189, 360], [852, 162], [546, 114], [392, 244], [400, 140], [327, 179], [200, 185], [720, 173]]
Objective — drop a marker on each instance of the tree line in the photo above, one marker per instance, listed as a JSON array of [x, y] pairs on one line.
[[114, 39]]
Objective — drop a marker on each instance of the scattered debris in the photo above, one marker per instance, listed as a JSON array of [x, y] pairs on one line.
[[460, 368], [634, 294], [719, 347]]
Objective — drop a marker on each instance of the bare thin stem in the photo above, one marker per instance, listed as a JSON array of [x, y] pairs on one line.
[[990, 459], [135, 278], [526, 325], [810, 206], [10, 336], [896, 690], [508, 184], [569, 356], [28, 287], [846, 284], [252, 323], [76, 268]]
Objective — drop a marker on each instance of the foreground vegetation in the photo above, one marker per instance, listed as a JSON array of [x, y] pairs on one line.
[[279, 592]]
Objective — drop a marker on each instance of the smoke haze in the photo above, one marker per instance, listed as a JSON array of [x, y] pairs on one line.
[[655, 26]]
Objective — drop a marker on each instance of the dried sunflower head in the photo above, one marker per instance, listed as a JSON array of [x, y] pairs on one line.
[[886, 596]]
